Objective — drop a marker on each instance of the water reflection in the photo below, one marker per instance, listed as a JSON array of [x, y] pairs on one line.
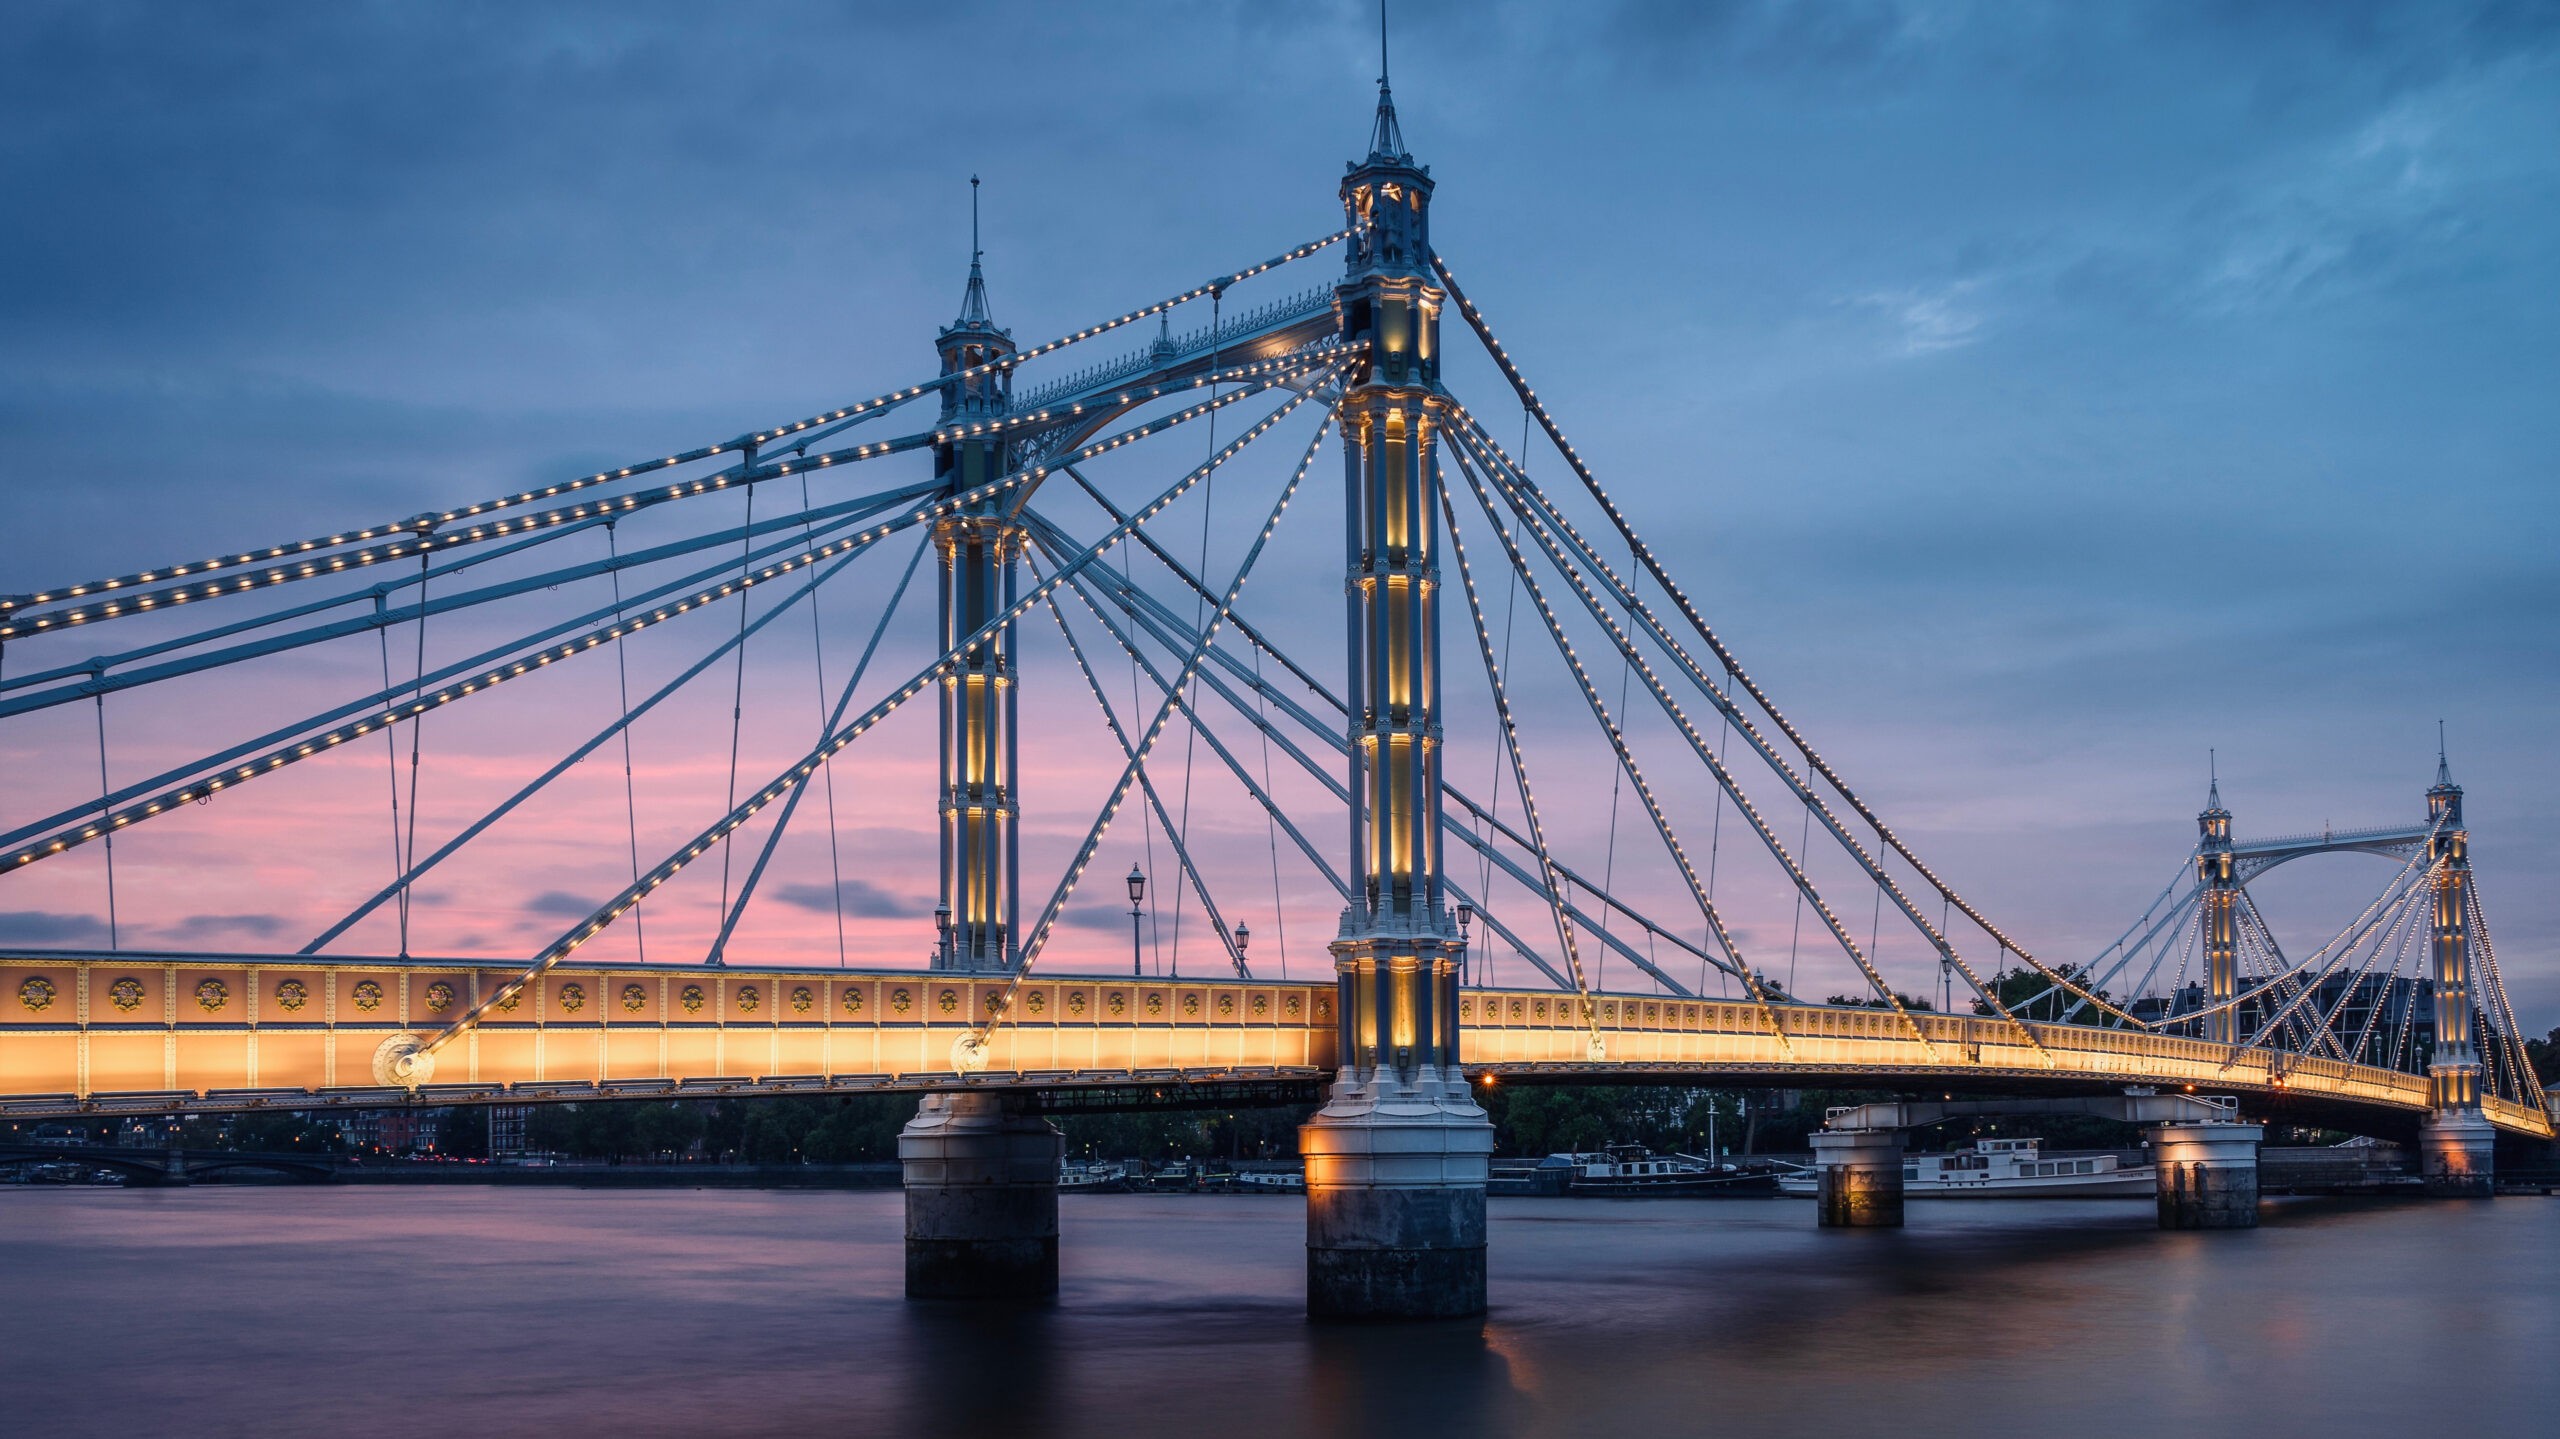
[[499, 1311]]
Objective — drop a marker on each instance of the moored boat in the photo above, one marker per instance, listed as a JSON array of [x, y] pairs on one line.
[[2007, 1169]]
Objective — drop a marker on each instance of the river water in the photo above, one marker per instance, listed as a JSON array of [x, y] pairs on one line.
[[500, 1311]]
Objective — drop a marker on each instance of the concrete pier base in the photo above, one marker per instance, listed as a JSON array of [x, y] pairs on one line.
[[1395, 1199], [982, 1200], [2208, 1175], [2457, 1154], [1861, 1173]]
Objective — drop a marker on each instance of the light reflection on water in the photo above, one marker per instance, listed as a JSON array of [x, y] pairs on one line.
[[494, 1311]]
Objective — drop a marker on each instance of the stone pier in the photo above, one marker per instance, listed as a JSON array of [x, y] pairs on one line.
[[2208, 1175], [982, 1200], [1395, 1199], [2457, 1154], [1861, 1172]]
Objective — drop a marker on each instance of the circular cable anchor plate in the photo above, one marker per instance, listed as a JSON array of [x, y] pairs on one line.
[[401, 1061]]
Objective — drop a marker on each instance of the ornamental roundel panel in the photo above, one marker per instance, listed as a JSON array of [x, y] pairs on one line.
[[900, 1000], [1155, 1004], [1038, 1002], [126, 993], [368, 995], [1324, 1006], [1117, 1003], [573, 997], [949, 1000], [691, 999], [439, 997], [508, 1001], [212, 995], [1261, 1005], [1226, 1004], [801, 999], [1075, 1002], [1538, 1009], [1466, 1008], [1191, 1005], [748, 999], [1518, 1008], [1289, 1006], [36, 993], [853, 1000], [291, 996], [634, 998]]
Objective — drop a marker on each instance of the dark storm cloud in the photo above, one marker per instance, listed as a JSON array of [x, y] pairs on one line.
[[560, 904], [2037, 394], [50, 930], [860, 899]]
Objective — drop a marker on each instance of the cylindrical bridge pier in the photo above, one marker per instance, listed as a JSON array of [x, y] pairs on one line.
[[2208, 1175], [1861, 1173], [982, 1200]]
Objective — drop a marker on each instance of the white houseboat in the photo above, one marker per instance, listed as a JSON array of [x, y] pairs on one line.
[[2006, 1168]]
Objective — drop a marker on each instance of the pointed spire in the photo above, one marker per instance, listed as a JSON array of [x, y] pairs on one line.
[[2213, 786], [2444, 771], [1386, 137], [973, 304]]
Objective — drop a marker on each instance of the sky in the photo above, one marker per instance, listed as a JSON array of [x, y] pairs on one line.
[[2038, 397]]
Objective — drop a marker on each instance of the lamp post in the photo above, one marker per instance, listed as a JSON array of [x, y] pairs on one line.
[[942, 927], [1244, 936], [1137, 900], [1466, 953]]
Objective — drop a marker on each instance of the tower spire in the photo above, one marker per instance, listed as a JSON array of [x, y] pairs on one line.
[[2213, 778], [2444, 771], [974, 313], [1386, 137]]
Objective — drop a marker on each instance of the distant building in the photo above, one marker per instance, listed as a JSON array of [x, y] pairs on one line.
[[507, 1129]]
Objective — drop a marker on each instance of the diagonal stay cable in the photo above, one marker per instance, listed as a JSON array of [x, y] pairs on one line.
[[791, 804], [1536, 515], [619, 726], [973, 1045], [1173, 829], [1550, 886]]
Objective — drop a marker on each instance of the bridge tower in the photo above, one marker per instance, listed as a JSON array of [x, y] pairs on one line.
[[2457, 1145], [2219, 871], [1396, 1160], [981, 1177], [978, 547]]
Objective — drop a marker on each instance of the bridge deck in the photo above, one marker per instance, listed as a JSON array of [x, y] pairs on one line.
[[146, 1033]]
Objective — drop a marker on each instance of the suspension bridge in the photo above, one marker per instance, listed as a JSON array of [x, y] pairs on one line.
[[1389, 786]]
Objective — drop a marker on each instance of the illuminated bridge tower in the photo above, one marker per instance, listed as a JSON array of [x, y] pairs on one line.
[[1396, 1160], [981, 1178], [2217, 869], [2457, 1149], [977, 924]]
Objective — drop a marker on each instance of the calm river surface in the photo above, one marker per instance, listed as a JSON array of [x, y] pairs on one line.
[[500, 1311]]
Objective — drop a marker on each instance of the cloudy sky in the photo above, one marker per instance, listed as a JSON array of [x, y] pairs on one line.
[[2037, 396]]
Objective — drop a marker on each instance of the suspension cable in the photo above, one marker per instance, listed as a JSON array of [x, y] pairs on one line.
[[114, 936], [630, 787]]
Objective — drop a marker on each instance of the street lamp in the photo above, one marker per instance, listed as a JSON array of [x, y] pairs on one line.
[[1244, 936], [1137, 901], [1466, 916], [942, 926]]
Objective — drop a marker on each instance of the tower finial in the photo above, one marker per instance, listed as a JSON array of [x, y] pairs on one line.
[[2213, 780], [974, 312], [1386, 137], [2444, 771]]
